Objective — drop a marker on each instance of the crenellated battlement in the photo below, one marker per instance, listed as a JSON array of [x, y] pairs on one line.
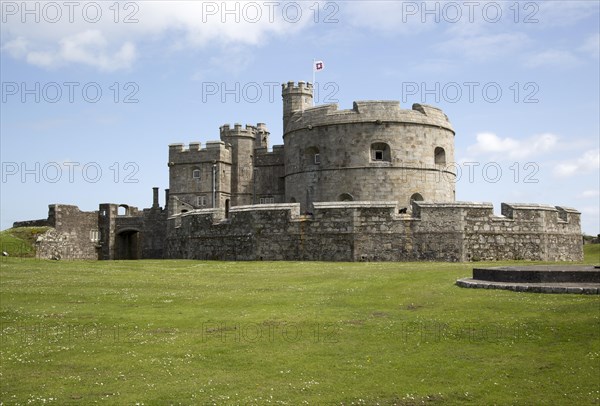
[[369, 111], [301, 87], [213, 151], [237, 130], [196, 147], [379, 231], [226, 130]]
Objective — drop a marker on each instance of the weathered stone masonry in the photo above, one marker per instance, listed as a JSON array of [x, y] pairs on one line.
[[103, 234], [372, 183], [73, 234], [375, 231]]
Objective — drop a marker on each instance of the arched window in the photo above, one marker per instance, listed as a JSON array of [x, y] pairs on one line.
[[292, 200], [345, 197], [196, 173], [123, 210], [416, 197], [440, 156], [380, 151]]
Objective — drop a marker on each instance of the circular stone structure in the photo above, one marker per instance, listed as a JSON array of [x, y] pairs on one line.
[[537, 278], [375, 151]]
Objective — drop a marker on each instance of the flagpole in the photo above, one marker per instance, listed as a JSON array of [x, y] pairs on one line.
[[313, 69]]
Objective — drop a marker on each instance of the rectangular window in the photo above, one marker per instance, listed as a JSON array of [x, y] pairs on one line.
[[378, 155], [317, 159], [94, 235], [201, 201], [196, 173]]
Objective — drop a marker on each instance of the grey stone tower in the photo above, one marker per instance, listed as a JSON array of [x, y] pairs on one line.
[[295, 99], [243, 142], [375, 151]]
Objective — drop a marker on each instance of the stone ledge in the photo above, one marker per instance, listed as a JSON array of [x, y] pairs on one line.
[[293, 207], [467, 205], [355, 205], [530, 206], [579, 288]]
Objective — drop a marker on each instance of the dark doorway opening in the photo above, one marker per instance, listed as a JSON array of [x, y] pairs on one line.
[[128, 245]]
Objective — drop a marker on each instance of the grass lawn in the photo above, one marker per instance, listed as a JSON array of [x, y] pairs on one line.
[[20, 241], [292, 333]]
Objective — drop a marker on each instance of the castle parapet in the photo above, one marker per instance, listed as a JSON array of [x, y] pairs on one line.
[[213, 151], [368, 111], [238, 131], [291, 86], [361, 231]]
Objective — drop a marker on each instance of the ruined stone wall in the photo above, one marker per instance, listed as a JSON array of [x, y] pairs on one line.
[[32, 223], [73, 236], [137, 235], [376, 231]]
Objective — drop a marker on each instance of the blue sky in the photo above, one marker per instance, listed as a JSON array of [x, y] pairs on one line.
[[93, 92]]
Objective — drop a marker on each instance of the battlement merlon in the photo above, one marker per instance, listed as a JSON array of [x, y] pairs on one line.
[[237, 130], [428, 211], [214, 151], [374, 111], [521, 210], [302, 87]]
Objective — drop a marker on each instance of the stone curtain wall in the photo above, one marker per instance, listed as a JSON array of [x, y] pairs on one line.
[[376, 231], [70, 238]]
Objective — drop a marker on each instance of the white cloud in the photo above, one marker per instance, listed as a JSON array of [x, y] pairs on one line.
[[17, 48], [109, 46], [510, 148], [586, 194], [553, 58], [87, 48], [588, 162]]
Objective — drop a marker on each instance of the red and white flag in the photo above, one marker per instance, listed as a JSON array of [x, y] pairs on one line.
[[318, 66]]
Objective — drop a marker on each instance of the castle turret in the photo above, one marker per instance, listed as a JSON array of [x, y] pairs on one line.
[[374, 151], [295, 98], [262, 136], [242, 141]]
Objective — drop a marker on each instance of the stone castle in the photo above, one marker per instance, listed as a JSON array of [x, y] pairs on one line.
[[373, 183]]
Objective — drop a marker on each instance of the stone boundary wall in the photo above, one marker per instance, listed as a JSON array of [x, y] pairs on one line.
[[376, 231], [32, 223]]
